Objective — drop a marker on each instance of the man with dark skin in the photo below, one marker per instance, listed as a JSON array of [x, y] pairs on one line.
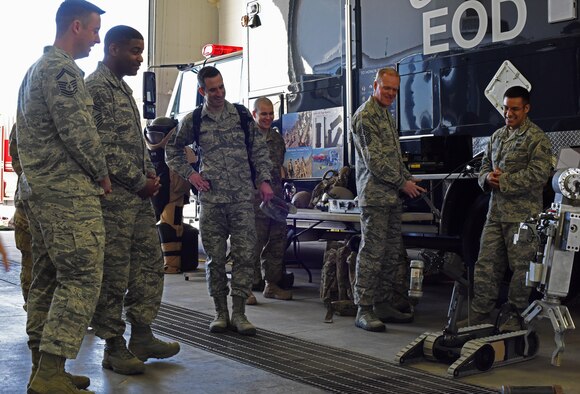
[[133, 271]]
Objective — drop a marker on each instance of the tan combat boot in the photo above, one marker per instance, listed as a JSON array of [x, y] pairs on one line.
[[367, 320], [145, 346], [239, 320], [222, 316], [119, 359], [251, 300], [171, 264], [51, 378], [81, 382], [271, 290]]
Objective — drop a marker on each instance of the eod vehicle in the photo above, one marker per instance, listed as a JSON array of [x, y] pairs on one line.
[[455, 58]]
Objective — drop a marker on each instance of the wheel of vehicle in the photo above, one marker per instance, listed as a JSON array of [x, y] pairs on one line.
[[484, 357]]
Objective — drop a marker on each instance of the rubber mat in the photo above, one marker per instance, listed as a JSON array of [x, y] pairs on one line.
[[328, 368]]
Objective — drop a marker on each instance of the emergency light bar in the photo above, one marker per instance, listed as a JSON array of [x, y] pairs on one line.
[[210, 50]]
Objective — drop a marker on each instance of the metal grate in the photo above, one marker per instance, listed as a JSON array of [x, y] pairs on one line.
[[328, 368], [559, 140], [562, 139]]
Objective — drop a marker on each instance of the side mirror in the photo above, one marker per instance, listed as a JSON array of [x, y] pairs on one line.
[[149, 94]]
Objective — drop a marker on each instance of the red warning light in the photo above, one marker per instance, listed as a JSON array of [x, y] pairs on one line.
[[211, 50]]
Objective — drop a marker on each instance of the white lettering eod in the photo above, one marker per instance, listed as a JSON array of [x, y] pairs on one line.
[[430, 28]]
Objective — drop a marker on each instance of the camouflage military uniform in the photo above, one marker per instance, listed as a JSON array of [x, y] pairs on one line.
[[380, 173], [62, 161], [524, 156], [227, 208], [133, 260], [271, 234], [21, 228]]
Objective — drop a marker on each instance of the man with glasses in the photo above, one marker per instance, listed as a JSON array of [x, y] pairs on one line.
[[515, 168]]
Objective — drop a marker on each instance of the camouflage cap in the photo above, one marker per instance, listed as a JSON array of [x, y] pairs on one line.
[[277, 209]]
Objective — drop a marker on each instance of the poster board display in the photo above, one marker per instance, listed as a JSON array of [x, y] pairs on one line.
[[314, 142]]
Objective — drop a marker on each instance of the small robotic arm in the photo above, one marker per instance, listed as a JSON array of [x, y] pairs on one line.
[[558, 232]]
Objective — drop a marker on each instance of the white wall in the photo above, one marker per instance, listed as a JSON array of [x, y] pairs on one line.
[[178, 31], [231, 31], [180, 28]]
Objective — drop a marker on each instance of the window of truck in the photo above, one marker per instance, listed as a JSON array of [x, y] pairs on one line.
[[186, 96]]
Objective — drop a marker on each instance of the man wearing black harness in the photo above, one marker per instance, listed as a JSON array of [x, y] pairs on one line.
[[226, 189]]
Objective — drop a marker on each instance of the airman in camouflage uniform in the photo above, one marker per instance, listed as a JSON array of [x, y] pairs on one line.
[[226, 194], [133, 261], [381, 176], [21, 227], [64, 173], [516, 166], [271, 234]]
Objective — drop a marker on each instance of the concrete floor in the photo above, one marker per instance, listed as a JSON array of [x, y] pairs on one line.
[[198, 371]]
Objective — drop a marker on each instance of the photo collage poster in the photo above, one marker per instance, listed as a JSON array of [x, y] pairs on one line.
[[314, 142]]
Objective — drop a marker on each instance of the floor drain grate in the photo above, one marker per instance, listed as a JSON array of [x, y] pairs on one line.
[[325, 367]]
